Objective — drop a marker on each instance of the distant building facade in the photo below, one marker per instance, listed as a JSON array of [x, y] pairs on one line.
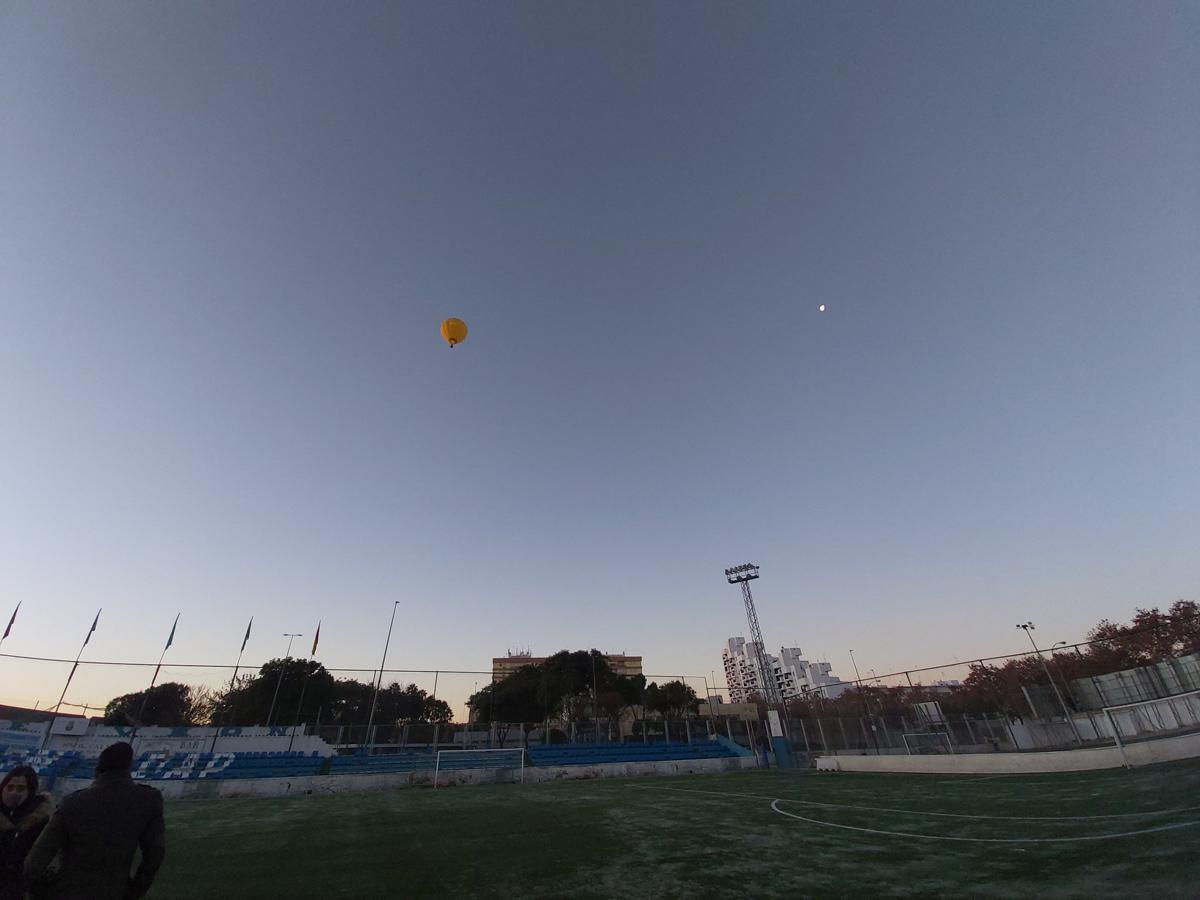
[[503, 666], [794, 675]]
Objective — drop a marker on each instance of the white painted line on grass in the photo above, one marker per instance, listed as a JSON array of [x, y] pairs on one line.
[[945, 815], [972, 840]]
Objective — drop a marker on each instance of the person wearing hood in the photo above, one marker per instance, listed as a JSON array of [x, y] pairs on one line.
[[23, 814]]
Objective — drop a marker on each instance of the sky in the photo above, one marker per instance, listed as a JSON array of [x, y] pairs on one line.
[[228, 234]]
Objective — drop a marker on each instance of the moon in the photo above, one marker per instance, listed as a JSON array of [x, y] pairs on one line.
[[821, 308]]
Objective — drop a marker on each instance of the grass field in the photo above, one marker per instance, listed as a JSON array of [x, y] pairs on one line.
[[1105, 834]]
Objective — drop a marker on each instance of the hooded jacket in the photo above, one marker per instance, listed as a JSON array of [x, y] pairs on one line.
[[19, 828]]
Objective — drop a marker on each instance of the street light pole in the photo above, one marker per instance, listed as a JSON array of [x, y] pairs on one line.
[[863, 699], [595, 718], [378, 683], [1028, 628], [282, 670]]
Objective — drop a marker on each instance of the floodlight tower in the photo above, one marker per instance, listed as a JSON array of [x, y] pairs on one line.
[[743, 575]]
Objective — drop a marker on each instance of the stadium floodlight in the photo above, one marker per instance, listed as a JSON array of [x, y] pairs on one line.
[[767, 683], [741, 574]]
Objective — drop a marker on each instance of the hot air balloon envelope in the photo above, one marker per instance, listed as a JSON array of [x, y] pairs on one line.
[[454, 331]]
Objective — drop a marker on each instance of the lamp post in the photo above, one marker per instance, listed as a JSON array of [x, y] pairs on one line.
[[282, 670], [379, 682], [1028, 628], [862, 697], [595, 718], [708, 697]]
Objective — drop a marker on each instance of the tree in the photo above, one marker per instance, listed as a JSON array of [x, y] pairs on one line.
[[560, 688], [409, 704], [171, 703], [251, 701], [343, 701], [1150, 637], [673, 700]]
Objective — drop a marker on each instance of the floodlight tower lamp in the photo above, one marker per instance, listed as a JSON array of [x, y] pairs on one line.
[[743, 575]]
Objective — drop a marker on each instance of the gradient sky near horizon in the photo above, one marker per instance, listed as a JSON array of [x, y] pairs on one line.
[[228, 233]]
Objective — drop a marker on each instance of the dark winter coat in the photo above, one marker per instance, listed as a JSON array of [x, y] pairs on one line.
[[97, 831], [19, 828]]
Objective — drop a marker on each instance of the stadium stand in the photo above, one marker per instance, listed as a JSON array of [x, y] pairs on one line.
[[593, 754], [49, 765], [165, 766]]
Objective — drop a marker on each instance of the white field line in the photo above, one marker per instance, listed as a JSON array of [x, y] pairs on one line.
[[973, 840], [921, 812]]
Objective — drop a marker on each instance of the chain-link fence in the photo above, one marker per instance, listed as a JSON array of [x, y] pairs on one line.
[[1045, 698]]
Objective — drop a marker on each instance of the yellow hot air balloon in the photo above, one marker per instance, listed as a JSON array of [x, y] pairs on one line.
[[454, 331]]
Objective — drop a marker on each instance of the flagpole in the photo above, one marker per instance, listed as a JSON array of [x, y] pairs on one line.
[[146, 696], [78, 655], [232, 681], [58, 705], [379, 683], [303, 688], [282, 671]]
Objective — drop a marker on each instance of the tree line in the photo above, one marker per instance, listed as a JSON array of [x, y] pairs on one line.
[[1151, 636], [282, 692]]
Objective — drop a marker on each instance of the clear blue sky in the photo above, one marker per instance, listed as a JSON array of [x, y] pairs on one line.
[[228, 233]]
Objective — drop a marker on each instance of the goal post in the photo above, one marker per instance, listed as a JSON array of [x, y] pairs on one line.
[[1149, 719], [927, 742], [513, 758]]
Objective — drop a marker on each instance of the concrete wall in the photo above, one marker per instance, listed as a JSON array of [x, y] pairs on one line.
[[1140, 754], [195, 788]]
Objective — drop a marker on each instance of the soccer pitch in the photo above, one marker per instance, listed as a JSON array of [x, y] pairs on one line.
[[1114, 833]]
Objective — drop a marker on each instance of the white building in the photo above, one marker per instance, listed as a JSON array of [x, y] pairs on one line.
[[794, 675]]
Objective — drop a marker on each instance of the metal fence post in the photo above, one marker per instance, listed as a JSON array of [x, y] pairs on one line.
[[970, 731], [987, 723]]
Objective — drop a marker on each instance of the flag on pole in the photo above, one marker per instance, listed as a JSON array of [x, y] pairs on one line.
[[247, 637], [95, 621], [315, 640], [158, 668], [10, 622]]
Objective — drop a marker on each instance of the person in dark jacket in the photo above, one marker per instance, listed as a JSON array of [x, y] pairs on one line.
[[23, 814], [95, 833]]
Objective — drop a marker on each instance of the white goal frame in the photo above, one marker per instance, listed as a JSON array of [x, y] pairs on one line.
[[1151, 705], [908, 734], [437, 765]]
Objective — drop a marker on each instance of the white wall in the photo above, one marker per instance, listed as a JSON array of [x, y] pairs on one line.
[[1140, 754]]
